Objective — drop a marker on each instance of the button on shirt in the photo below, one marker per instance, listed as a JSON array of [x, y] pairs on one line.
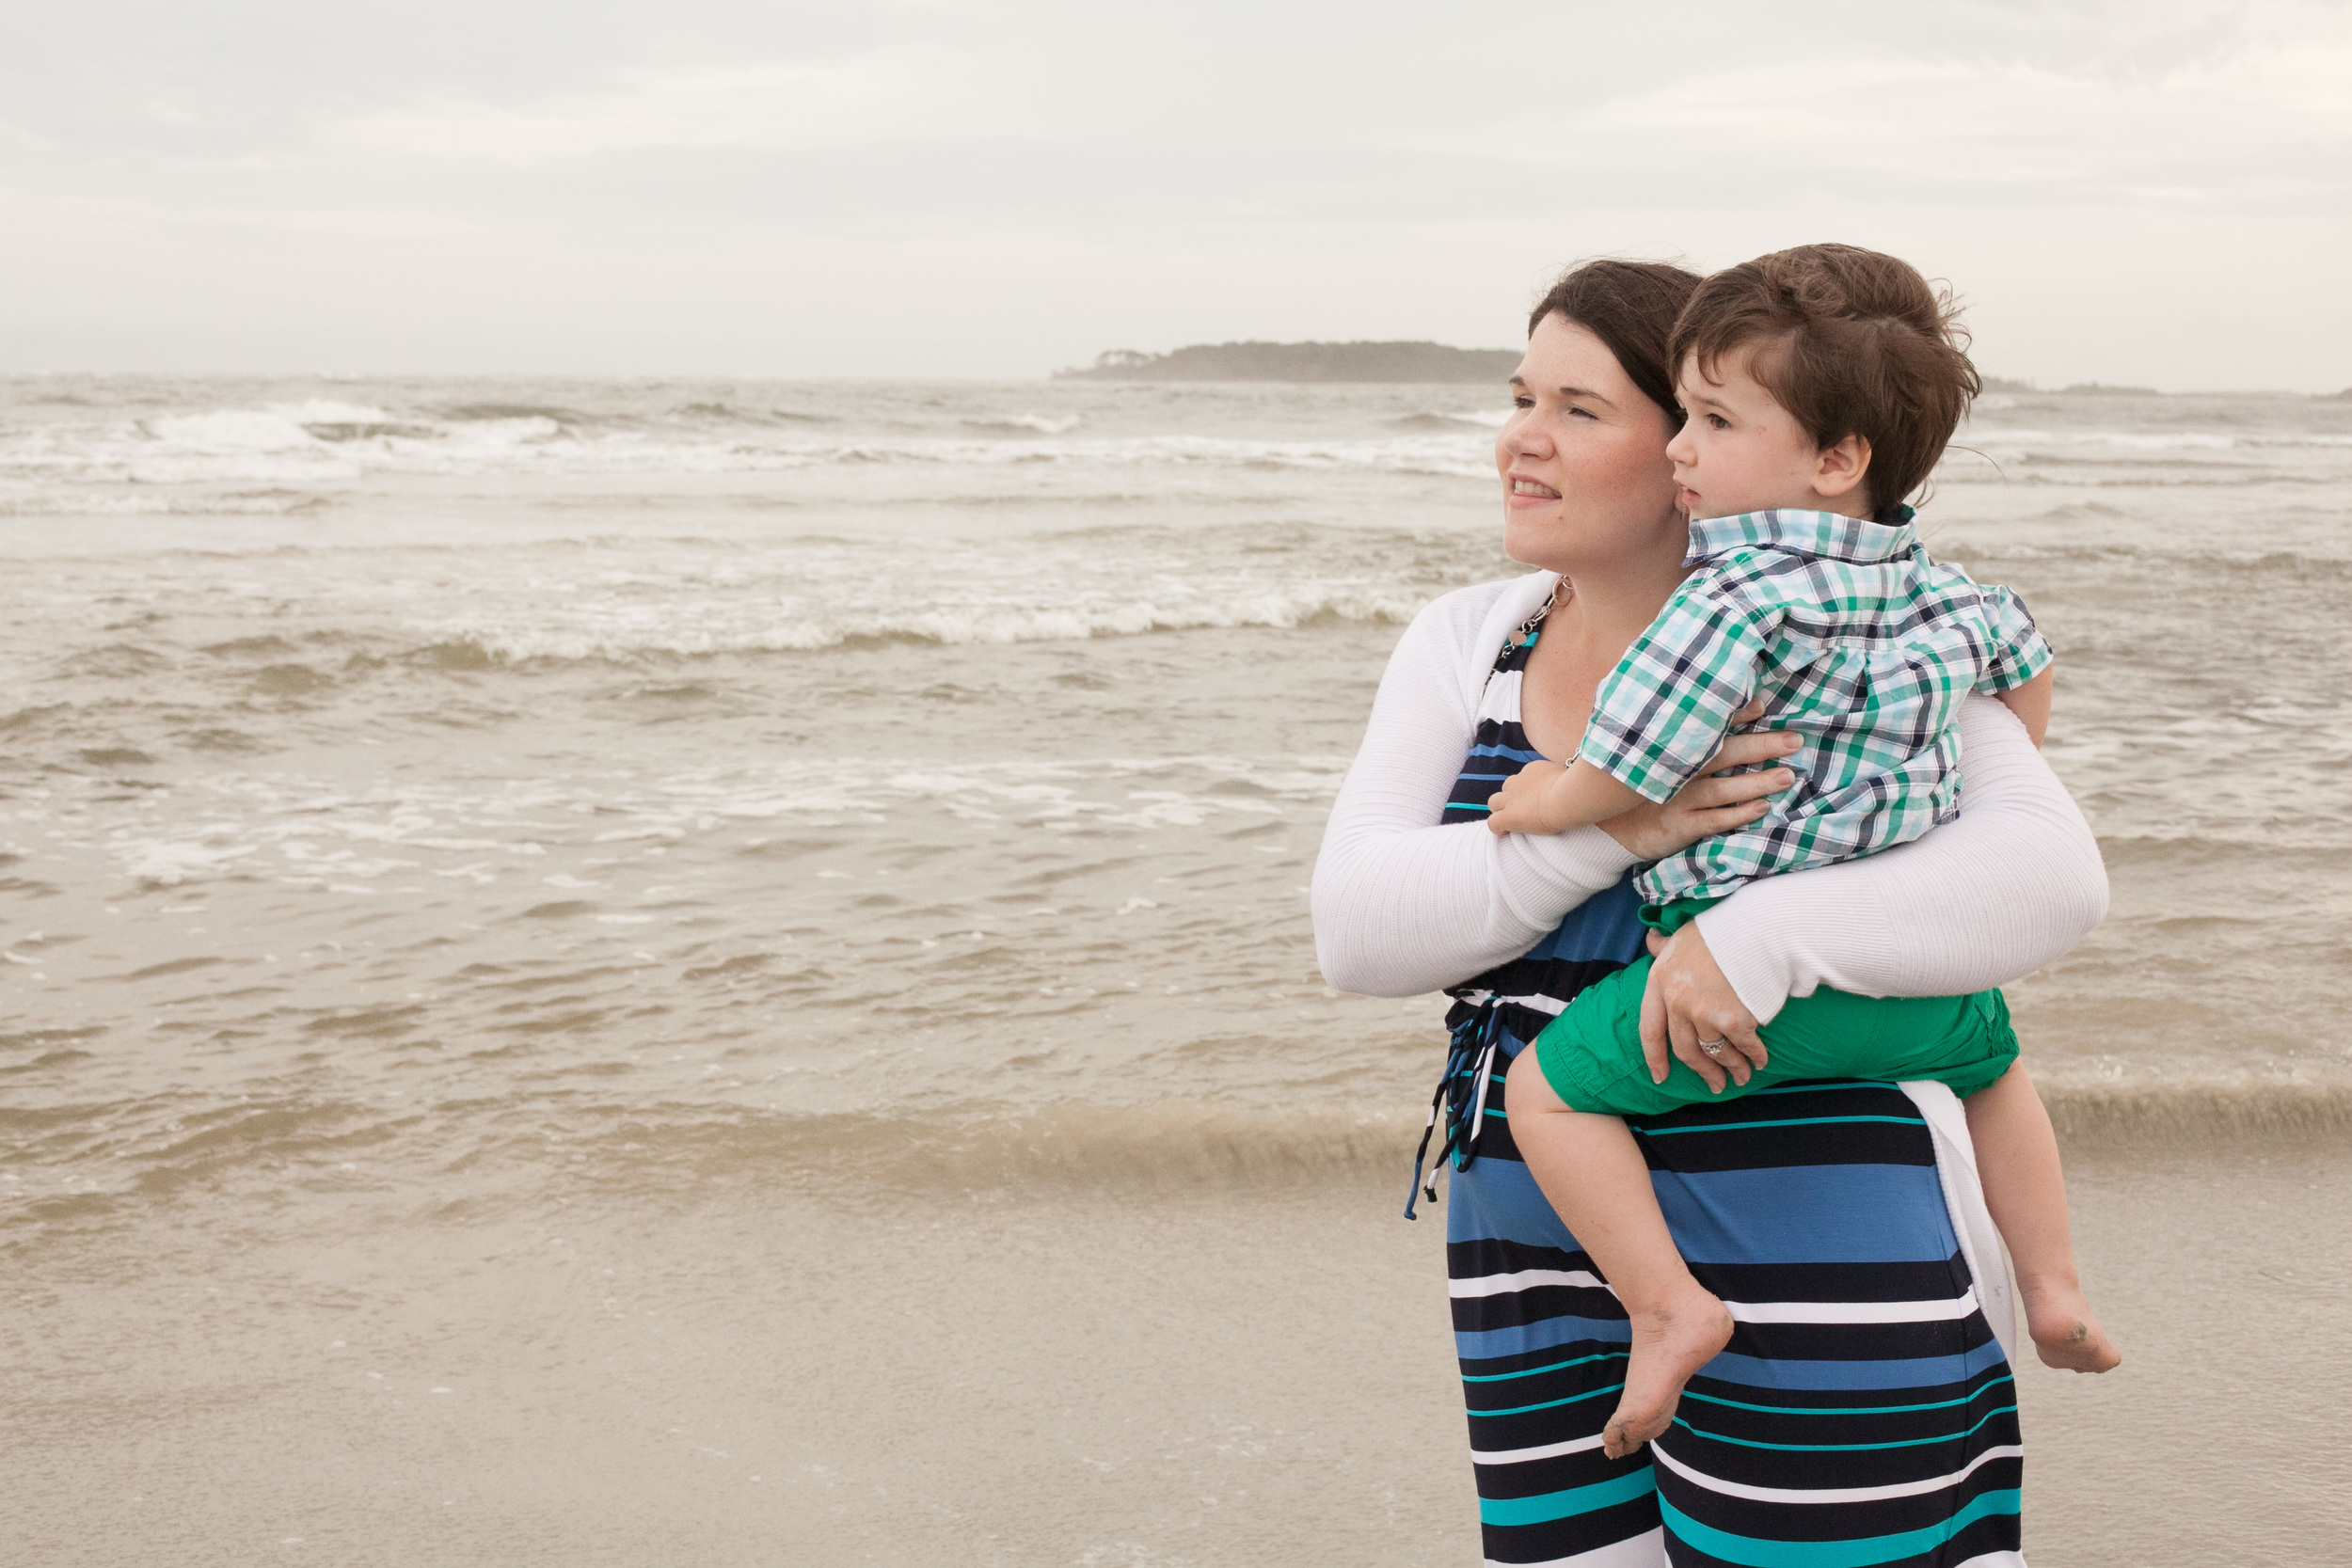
[[1857, 640]]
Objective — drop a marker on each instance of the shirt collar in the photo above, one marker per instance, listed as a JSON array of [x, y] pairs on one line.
[[1818, 533]]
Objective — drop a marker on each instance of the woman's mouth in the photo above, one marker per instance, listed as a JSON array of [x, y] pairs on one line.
[[1529, 487]]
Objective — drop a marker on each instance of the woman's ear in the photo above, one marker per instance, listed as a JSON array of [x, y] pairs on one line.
[[1839, 468]]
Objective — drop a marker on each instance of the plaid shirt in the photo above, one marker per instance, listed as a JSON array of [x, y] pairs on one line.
[[1857, 640]]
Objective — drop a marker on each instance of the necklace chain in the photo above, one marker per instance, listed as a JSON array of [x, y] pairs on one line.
[[1532, 628]]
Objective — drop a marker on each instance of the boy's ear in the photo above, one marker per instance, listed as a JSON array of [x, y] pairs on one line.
[[1839, 468]]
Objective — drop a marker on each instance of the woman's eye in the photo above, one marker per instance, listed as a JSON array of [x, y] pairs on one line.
[[1583, 413], [1523, 403]]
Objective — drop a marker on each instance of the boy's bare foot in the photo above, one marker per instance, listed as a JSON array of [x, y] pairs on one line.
[[2066, 1333], [1670, 1342]]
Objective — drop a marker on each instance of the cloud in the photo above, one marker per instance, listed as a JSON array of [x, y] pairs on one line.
[[2311, 82], [899, 94], [1141, 174]]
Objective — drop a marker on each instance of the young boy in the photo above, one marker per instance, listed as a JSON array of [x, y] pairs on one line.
[[1819, 384]]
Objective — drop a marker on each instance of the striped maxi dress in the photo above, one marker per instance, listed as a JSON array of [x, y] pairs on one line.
[[1863, 1415]]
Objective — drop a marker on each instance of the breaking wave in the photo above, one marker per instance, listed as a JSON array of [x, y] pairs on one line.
[[318, 440]]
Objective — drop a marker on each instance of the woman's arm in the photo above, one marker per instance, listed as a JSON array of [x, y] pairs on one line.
[[2011, 885], [1402, 905]]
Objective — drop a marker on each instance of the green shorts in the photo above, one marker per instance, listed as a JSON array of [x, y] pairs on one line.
[[1591, 1055]]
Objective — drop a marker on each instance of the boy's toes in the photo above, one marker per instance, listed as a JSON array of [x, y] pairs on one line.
[[2079, 1347], [2067, 1333], [1627, 1433]]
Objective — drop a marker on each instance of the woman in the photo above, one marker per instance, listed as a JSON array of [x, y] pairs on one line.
[[1864, 1413]]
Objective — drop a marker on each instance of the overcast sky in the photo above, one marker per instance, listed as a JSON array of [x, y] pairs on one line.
[[2157, 191]]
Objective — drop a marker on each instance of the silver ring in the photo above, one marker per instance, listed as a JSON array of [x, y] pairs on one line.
[[1713, 1048]]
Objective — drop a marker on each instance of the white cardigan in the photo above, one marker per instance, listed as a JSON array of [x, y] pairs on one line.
[[1404, 906]]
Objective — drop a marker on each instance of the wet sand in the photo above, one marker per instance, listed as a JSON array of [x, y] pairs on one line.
[[1192, 1369]]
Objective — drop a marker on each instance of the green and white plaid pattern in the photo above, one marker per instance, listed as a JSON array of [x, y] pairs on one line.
[[1856, 639]]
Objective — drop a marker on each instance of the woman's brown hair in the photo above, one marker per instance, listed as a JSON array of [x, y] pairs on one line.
[[1852, 343], [1631, 307]]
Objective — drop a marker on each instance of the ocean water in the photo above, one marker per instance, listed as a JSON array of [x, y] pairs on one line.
[[599, 968]]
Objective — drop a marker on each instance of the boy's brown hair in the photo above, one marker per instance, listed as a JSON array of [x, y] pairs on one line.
[[1852, 343]]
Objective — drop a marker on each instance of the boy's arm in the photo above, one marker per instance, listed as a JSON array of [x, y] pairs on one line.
[[2019, 671], [1679, 689], [1659, 715], [1546, 798], [2031, 701]]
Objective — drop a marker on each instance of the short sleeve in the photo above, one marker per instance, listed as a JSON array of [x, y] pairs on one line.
[[1666, 707], [2018, 652]]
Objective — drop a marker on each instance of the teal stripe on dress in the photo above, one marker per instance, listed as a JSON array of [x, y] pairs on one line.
[[1787, 1121], [1970, 1397], [1817, 1086], [1547, 1506], [1537, 1372], [1829, 1447], [1861, 1552], [1550, 1404]]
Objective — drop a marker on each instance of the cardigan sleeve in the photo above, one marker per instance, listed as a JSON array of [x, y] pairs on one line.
[[2011, 885], [1403, 904]]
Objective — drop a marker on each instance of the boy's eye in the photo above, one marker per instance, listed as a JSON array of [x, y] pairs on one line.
[[1718, 421], [1522, 401]]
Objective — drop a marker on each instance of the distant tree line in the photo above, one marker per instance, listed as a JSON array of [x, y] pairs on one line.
[[1405, 361]]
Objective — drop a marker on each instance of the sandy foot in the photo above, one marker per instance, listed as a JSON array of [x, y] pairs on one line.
[[2066, 1332], [1670, 1343]]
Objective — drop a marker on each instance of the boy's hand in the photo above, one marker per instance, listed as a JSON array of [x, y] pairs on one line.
[[1688, 1000], [1518, 806]]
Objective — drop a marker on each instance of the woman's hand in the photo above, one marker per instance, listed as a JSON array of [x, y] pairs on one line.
[[1711, 803], [1688, 1001]]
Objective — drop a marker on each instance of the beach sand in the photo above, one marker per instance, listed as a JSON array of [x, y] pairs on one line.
[[1198, 1367]]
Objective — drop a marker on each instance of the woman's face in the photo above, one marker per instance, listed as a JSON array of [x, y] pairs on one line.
[[1585, 479]]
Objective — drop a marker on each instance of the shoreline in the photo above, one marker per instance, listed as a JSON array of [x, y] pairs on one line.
[[1036, 1372]]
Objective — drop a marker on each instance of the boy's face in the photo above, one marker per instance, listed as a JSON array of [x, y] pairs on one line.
[[1740, 450]]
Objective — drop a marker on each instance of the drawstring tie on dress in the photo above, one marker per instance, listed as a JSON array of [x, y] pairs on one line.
[[1460, 1099]]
